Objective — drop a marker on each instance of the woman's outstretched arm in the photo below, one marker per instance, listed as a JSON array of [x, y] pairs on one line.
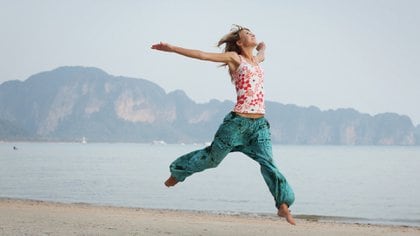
[[229, 58]]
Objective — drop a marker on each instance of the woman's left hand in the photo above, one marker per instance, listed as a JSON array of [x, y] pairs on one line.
[[261, 46]]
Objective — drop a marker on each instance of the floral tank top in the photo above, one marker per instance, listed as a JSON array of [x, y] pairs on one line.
[[249, 83]]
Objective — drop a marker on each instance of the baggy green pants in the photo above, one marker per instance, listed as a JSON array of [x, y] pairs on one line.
[[246, 135]]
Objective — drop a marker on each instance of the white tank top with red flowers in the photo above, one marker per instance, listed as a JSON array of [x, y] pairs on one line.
[[249, 84]]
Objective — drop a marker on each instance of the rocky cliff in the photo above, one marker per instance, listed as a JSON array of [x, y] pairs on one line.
[[69, 103]]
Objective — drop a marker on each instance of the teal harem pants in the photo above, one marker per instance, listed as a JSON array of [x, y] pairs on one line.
[[246, 135]]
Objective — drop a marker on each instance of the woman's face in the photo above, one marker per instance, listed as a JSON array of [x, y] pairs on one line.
[[247, 39]]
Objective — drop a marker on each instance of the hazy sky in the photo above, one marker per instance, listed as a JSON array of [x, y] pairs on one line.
[[363, 54]]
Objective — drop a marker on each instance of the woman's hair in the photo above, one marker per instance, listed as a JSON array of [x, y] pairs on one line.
[[231, 38]]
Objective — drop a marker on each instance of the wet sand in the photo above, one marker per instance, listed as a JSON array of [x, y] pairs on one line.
[[27, 217]]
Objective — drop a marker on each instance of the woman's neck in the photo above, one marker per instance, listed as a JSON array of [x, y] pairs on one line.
[[247, 53]]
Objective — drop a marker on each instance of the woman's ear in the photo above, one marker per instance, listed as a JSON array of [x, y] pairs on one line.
[[239, 43]]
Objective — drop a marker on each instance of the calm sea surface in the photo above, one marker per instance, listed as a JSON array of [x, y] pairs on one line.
[[365, 183]]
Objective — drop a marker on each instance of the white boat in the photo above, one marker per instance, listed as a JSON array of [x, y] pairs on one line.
[[158, 142]]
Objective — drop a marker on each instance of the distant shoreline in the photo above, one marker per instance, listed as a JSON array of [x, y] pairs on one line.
[[197, 143]]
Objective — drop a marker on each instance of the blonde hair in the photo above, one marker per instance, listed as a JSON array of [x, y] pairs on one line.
[[231, 38]]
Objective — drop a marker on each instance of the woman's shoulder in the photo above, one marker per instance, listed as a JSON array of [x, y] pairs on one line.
[[235, 62], [236, 58]]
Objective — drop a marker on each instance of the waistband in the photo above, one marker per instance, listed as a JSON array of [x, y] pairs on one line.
[[234, 115]]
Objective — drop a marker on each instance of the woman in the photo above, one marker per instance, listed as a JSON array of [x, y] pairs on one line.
[[244, 129]]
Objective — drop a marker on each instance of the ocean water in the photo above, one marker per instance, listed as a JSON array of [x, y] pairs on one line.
[[373, 184]]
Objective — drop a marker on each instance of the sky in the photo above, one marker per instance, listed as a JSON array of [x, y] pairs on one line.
[[361, 54]]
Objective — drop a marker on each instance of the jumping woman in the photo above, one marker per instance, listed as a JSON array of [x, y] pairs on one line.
[[244, 129]]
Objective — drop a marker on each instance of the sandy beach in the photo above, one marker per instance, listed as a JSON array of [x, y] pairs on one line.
[[27, 217]]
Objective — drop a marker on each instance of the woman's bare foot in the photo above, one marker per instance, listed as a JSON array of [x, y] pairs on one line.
[[284, 212], [171, 181]]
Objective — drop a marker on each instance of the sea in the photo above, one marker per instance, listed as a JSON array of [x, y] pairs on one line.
[[361, 184]]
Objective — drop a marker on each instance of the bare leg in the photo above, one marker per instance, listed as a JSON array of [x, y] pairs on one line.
[[171, 181], [284, 212]]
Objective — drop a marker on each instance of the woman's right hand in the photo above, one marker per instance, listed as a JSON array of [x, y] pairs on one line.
[[163, 47]]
